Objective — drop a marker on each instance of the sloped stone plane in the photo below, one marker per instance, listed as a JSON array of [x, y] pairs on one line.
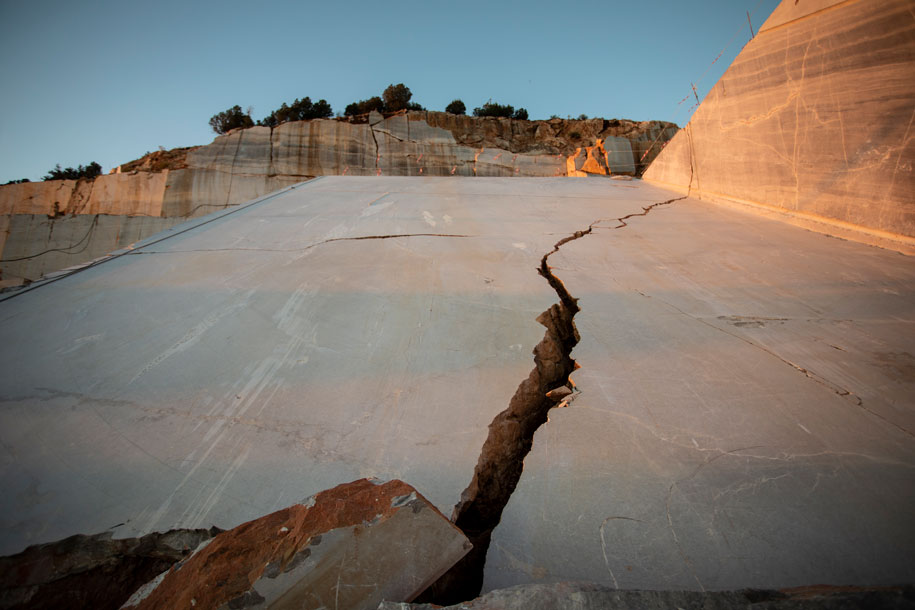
[[287, 331], [742, 415], [733, 388], [352, 546], [812, 121]]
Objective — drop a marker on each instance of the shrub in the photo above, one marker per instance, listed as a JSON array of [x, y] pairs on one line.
[[397, 97], [21, 181], [582, 117], [364, 106], [301, 110], [230, 119], [494, 109], [456, 107], [90, 171], [500, 110], [414, 106]]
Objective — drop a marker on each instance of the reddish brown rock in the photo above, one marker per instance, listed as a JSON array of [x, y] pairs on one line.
[[350, 547]]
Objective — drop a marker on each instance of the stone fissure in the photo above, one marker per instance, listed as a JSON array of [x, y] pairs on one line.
[[303, 248], [511, 432], [232, 173], [375, 140]]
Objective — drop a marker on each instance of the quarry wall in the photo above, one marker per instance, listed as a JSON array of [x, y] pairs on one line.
[[53, 224], [813, 120]]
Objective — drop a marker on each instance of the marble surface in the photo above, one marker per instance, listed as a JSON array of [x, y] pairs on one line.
[[366, 326], [745, 418], [261, 357], [814, 118]]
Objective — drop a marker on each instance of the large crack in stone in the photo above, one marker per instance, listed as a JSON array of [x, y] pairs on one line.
[[511, 432], [511, 435]]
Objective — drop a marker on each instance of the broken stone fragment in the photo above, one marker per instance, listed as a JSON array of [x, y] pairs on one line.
[[559, 393], [348, 547], [90, 571]]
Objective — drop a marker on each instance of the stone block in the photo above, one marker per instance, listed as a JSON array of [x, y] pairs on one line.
[[352, 546]]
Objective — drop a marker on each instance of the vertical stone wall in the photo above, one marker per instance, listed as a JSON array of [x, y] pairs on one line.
[[814, 118]]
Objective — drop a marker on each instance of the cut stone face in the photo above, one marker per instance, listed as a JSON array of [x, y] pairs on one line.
[[813, 119], [349, 547]]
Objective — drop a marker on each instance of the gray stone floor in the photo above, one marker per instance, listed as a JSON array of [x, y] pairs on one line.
[[746, 406]]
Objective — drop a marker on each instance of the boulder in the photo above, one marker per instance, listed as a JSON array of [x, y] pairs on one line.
[[352, 546]]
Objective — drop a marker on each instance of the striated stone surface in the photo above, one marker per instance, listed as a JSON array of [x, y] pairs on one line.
[[90, 571], [814, 118], [348, 547], [125, 195], [117, 194], [36, 197], [196, 192]]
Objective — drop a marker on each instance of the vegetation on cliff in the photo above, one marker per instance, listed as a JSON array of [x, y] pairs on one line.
[[230, 119], [91, 170], [300, 110], [456, 107], [491, 108], [394, 99]]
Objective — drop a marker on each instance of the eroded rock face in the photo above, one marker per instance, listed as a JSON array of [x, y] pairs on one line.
[[350, 547], [90, 571]]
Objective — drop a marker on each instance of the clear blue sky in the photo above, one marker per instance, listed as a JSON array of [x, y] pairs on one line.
[[109, 81]]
